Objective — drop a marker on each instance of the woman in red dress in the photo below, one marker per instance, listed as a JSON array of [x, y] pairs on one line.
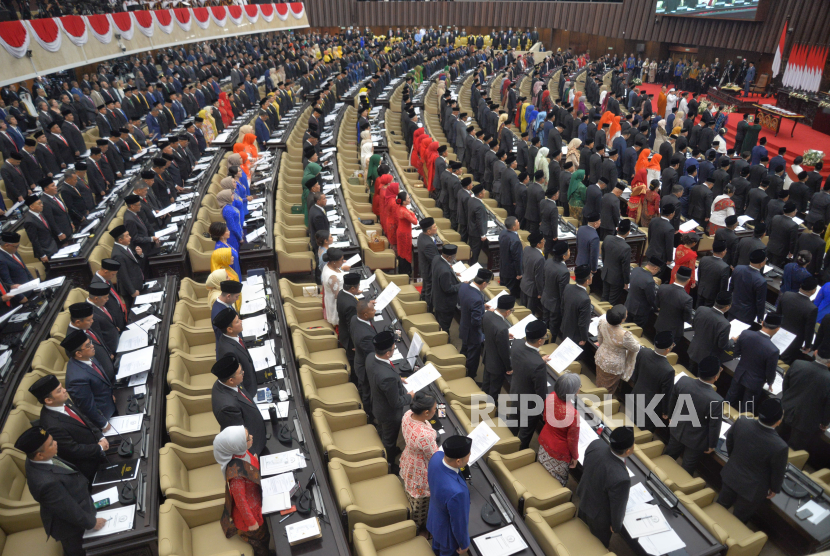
[[636, 202], [685, 255], [432, 155], [243, 494], [416, 140], [381, 184], [406, 218], [225, 109], [426, 141], [559, 439], [388, 217]]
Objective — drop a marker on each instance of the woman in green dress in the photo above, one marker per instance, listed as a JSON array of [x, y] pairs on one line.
[[311, 171], [751, 137], [372, 174], [576, 194]]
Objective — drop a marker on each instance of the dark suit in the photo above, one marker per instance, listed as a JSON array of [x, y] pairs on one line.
[[686, 438], [711, 336], [130, 275], [113, 305], [445, 287], [756, 204], [217, 308], [749, 294], [66, 508], [799, 317], [476, 224], [529, 378], [616, 268], [346, 309], [389, 401], [783, 236], [13, 270], [757, 465], [140, 235], [700, 203], [471, 303], [427, 251], [759, 359], [533, 278], [814, 243], [806, 402], [362, 334], [745, 248], [642, 296], [15, 180], [713, 277], [77, 441], [510, 249], [104, 327], [43, 242], [603, 491], [660, 239], [227, 345], [576, 313], [57, 217], [317, 220], [232, 409], [675, 309], [91, 391], [653, 376], [496, 352], [731, 239]]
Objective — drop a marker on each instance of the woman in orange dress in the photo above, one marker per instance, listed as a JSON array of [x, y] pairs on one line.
[[406, 218], [651, 208], [249, 144], [636, 202], [685, 255], [426, 141], [642, 160], [654, 170], [387, 199], [432, 155]]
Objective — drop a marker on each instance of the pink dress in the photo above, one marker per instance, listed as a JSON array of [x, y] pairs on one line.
[[420, 446]]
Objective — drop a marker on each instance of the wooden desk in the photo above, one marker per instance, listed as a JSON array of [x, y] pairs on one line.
[[770, 118]]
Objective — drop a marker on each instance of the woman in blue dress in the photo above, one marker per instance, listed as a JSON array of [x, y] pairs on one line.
[[233, 219], [243, 188], [220, 233], [229, 184]]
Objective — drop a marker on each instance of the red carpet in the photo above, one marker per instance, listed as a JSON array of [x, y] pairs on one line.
[[805, 138]]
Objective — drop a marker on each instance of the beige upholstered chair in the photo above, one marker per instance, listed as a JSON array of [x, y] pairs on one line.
[[190, 421], [190, 474], [347, 435], [194, 530], [393, 540], [739, 539], [23, 533], [560, 533], [526, 482]]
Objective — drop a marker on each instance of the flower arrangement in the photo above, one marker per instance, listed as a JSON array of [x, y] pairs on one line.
[[812, 157], [729, 109], [801, 96], [704, 106], [731, 87], [636, 81]]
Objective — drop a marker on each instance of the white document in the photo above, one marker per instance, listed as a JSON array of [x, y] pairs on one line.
[[638, 498], [272, 503], [154, 297], [111, 493], [169, 230], [423, 378], [138, 309], [501, 542], [364, 284], [586, 436], [282, 462], [117, 520], [132, 339], [255, 234], [353, 261], [251, 292], [493, 303], [819, 512], [743, 219], [688, 226], [135, 362], [28, 286], [736, 327], [518, 329], [253, 306], [782, 339], [645, 522], [90, 226], [593, 326], [263, 357], [124, 424], [138, 379], [564, 355], [662, 543], [53, 283], [255, 326], [166, 210], [459, 267], [470, 273], [483, 439], [281, 407], [146, 324], [414, 349], [386, 296], [724, 428], [305, 529], [778, 384]]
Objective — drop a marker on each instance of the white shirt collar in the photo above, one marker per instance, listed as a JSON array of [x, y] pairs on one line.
[[530, 346], [56, 409], [445, 465], [231, 337], [234, 388]]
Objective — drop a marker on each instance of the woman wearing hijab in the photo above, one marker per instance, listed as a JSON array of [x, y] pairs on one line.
[[546, 103], [225, 108], [372, 174], [572, 155], [541, 162], [654, 167], [416, 140], [367, 149], [388, 216], [222, 259], [432, 155], [528, 116], [686, 255], [381, 184], [578, 101], [617, 351], [406, 218], [243, 492], [221, 234], [208, 125], [423, 153], [661, 136], [310, 179], [636, 201], [249, 145], [576, 194], [213, 285], [272, 76], [642, 160], [331, 276], [232, 217]]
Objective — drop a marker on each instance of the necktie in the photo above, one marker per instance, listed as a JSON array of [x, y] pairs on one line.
[[60, 203], [3, 292], [73, 415], [15, 257], [43, 220], [59, 463], [104, 309], [12, 141], [94, 337], [241, 393], [241, 343], [118, 298], [94, 366]]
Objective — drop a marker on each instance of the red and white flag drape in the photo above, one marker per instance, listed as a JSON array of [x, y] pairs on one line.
[[16, 36], [805, 67], [779, 52]]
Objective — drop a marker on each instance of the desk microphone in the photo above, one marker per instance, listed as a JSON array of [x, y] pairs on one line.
[[126, 447]]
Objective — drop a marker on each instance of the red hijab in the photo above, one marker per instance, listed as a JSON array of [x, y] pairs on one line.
[[432, 154]]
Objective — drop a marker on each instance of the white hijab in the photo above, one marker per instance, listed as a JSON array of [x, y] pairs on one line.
[[229, 443]]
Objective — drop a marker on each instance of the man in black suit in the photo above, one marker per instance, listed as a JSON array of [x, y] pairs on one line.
[[711, 332], [230, 292], [60, 146], [812, 241], [757, 461], [103, 324], [641, 301], [56, 212], [675, 304], [661, 238], [529, 377], [806, 401], [603, 488], [730, 239], [362, 331], [759, 359], [497, 345], [13, 270], [389, 396], [700, 202], [346, 309], [749, 289], [72, 196], [445, 285], [12, 174], [141, 237], [748, 245], [576, 307], [610, 211], [476, 218], [231, 343], [317, 219], [798, 316], [510, 249], [653, 376], [39, 230], [32, 170], [533, 272], [616, 263], [232, 405], [783, 236], [80, 442], [427, 251], [713, 275], [697, 433], [130, 274], [557, 277], [535, 201], [66, 508], [116, 304]]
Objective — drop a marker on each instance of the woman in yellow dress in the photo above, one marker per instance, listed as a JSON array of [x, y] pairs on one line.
[[208, 125], [222, 259]]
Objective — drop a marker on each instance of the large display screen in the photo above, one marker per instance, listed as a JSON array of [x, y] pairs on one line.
[[712, 9]]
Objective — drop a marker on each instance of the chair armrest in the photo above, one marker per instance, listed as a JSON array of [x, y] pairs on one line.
[[345, 420], [364, 470], [320, 343], [383, 537], [556, 498], [305, 314], [451, 372], [651, 449], [703, 498], [557, 515], [519, 459], [750, 546], [326, 378], [199, 514], [192, 458]]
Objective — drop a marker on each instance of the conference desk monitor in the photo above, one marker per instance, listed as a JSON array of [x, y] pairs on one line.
[[490, 508]]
